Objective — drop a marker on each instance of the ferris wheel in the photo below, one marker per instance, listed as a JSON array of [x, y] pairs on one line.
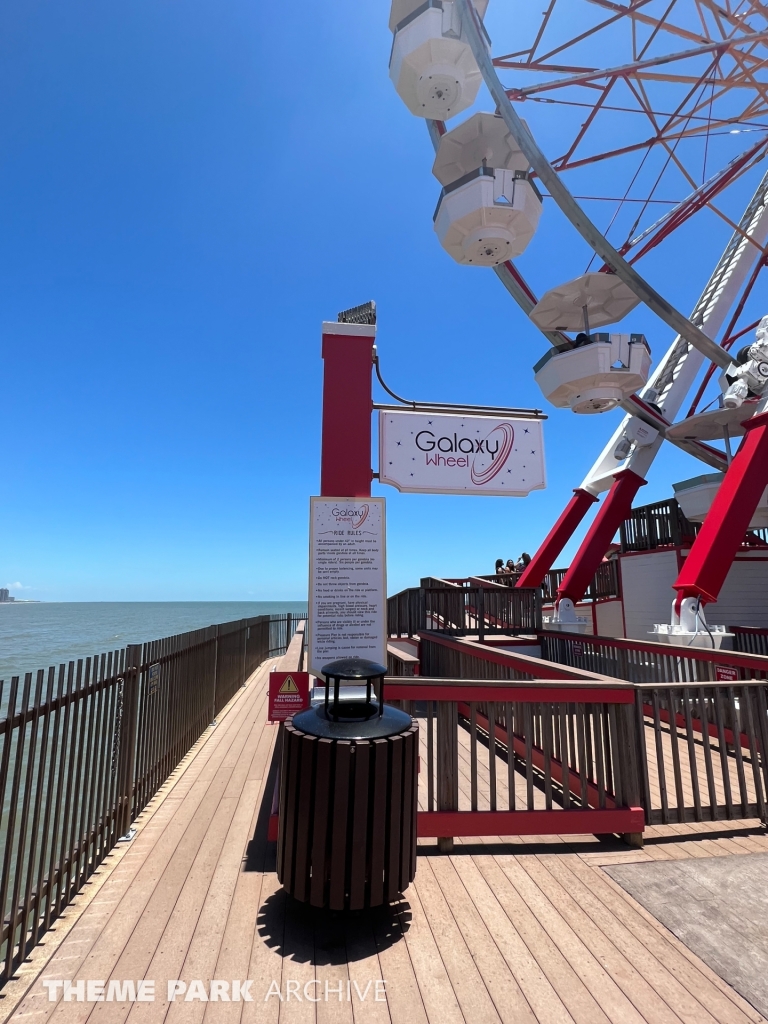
[[641, 119]]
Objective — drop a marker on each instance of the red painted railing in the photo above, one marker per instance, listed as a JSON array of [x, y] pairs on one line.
[[750, 639], [460, 658], [594, 726], [560, 773], [715, 703], [640, 661], [437, 824], [571, 742], [542, 730]]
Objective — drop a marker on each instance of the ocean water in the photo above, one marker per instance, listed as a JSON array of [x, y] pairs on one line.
[[34, 636]]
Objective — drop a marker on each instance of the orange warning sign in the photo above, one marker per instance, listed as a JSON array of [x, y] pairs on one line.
[[288, 693]]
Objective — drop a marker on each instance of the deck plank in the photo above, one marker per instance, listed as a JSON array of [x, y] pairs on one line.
[[438, 996], [570, 987], [471, 993], [506, 930], [720, 999], [625, 971], [603, 983], [717, 907], [178, 833], [364, 972], [404, 996], [535, 987], [651, 963], [499, 980]]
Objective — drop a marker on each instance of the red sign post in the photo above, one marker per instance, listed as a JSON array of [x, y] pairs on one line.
[[288, 693]]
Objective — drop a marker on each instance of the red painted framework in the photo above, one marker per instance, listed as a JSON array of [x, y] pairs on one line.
[[347, 406], [580, 822], [557, 538], [609, 518], [714, 550]]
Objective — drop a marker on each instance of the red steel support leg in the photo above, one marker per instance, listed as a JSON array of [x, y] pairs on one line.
[[347, 406], [611, 515], [712, 554], [556, 539]]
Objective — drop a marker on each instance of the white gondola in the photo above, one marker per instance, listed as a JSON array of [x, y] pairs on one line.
[[488, 210], [695, 497], [593, 298], [431, 64], [596, 376]]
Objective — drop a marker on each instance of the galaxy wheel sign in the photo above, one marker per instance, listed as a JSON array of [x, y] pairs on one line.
[[435, 453]]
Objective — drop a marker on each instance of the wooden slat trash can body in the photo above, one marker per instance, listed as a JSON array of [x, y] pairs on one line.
[[348, 801]]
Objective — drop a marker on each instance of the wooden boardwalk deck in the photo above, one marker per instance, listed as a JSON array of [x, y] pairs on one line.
[[504, 930]]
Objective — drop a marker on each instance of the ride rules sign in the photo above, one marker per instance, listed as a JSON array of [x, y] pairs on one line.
[[347, 581]]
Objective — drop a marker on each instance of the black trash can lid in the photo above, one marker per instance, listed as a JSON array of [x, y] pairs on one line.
[[351, 725], [353, 668]]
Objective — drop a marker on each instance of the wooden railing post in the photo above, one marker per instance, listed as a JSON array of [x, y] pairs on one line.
[[447, 764], [629, 755], [129, 719]]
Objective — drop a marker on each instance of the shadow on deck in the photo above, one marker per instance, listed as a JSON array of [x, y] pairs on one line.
[[507, 929]]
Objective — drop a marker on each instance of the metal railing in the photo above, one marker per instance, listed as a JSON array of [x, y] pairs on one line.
[[639, 661], [750, 639], [83, 748], [461, 611]]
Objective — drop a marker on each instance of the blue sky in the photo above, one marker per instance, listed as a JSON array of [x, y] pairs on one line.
[[186, 191]]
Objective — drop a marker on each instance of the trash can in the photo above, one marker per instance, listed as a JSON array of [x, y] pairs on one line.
[[348, 794]]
